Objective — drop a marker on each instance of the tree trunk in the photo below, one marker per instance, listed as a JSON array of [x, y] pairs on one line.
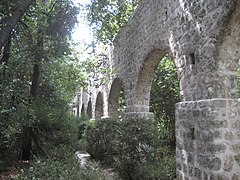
[[35, 81], [28, 131], [4, 60], [3, 78], [6, 52], [6, 30], [27, 143]]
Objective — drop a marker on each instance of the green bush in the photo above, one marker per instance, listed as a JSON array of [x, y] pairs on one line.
[[66, 168], [163, 167], [51, 128], [101, 137], [133, 147], [60, 162], [136, 145]]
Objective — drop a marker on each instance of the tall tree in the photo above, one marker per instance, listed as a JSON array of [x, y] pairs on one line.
[[47, 27], [40, 39]]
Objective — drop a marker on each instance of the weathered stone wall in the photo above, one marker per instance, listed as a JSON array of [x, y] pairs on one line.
[[188, 31], [208, 143], [193, 34], [203, 39]]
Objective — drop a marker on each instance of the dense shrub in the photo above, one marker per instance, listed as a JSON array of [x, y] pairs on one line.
[[164, 95], [65, 168], [136, 146], [102, 138], [162, 167], [53, 132], [59, 141], [133, 147]]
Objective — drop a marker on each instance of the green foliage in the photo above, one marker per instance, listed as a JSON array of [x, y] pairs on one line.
[[101, 139], [97, 68], [164, 96], [108, 16], [50, 127], [42, 37], [65, 168], [133, 147], [136, 145], [162, 168], [121, 102], [166, 84]]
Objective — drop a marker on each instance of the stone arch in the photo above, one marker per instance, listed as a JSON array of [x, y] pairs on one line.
[[113, 99], [204, 39], [99, 106], [143, 87], [228, 58], [74, 112], [82, 110], [216, 109], [89, 109]]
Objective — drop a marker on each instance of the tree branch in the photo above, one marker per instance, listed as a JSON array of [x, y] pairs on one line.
[[7, 28]]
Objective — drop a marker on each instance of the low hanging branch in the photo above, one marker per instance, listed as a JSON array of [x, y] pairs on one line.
[[7, 28]]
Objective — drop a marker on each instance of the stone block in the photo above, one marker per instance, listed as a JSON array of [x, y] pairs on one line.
[[228, 136], [228, 163], [237, 124], [218, 177], [190, 158], [205, 175], [191, 171], [236, 177], [215, 164], [179, 166], [198, 173], [236, 147], [209, 163], [237, 159], [218, 148]]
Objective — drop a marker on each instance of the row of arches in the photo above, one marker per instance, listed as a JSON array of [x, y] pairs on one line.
[[114, 103], [131, 98], [206, 57]]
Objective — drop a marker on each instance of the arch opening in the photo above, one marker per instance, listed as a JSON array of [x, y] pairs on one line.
[[228, 85], [99, 106], [146, 75], [163, 97], [157, 91], [83, 110], [89, 109], [116, 99]]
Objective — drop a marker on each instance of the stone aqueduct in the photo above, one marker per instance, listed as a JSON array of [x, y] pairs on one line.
[[202, 37]]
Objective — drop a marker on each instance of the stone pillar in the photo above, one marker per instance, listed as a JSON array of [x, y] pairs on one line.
[[208, 139]]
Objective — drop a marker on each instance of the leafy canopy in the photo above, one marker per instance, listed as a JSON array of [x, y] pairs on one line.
[[106, 17]]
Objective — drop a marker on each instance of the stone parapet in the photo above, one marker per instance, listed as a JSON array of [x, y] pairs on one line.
[[208, 139]]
